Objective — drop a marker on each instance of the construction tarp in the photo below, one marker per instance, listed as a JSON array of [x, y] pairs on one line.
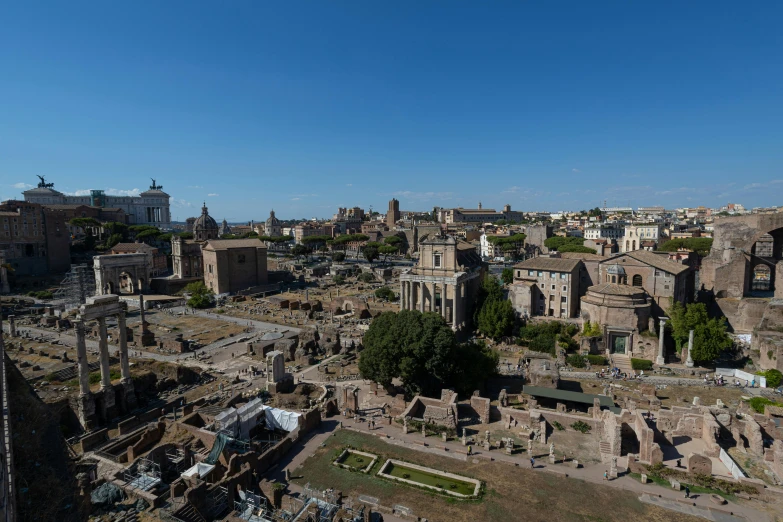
[[281, 419], [217, 448], [200, 470]]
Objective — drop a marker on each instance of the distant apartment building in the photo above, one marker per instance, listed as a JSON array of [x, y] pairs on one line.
[[489, 249], [546, 286], [604, 231], [304, 230], [479, 215], [635, 235]]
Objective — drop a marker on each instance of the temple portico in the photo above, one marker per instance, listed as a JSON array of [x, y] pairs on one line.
[[99, 308]]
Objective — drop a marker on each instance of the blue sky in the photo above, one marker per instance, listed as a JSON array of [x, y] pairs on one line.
[[307, 106]]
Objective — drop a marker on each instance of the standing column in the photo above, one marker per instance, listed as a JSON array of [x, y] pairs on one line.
[[432, 296], [444, 292], [411, 300], [661, 359], [402, 295], [457, 304], [689, 361], [103, 344], [81, 359], [12, 326], [421, 296], [124, 365]]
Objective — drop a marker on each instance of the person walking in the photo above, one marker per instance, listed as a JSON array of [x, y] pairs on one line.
[[532, 462], [606, 475], [687, 492]]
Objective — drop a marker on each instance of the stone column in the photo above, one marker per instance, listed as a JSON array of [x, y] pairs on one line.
[[661, 360], [444, 292], [422, 286], [411, 297], [402, 295], [457, 305], [689, 361], [432, 296], [103, 345], [12, 326], [124, 366], [81, 359]]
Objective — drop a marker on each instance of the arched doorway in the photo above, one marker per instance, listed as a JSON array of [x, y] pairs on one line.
[[126, 283]]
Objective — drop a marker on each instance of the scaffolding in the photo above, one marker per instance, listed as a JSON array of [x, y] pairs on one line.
[[144, 476], [176, 456], [216, 502], [78, 285]]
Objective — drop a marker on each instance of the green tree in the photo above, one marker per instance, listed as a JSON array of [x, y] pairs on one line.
[[395, 241], [421, 350], [683, 319], [200, 295], [495, 315], [387, 250], [186, 235], [300, 250], [557, 242], [577, 248], [507, 276], [367, 277], [385, 293], [114, 239], [710, 341], [338, 257], [148, 235], [115, 227], [371, 252], [700, 245]]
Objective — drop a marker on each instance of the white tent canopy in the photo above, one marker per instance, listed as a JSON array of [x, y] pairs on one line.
[[239, 422], [200, 470]]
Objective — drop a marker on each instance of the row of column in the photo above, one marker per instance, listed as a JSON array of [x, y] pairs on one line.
[[103, 344], [413, 296]]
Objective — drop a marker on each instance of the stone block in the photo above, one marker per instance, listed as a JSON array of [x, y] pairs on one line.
[[698, 464], [675, 484], [643, 478]]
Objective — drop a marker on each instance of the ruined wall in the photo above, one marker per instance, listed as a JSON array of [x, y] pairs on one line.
[[481, 405]]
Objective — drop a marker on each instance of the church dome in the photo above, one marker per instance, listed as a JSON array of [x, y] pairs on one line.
[[615, 269], [272, 220], [205, 227]]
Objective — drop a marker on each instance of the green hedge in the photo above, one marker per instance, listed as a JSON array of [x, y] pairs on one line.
[[774, 377], [576, 360], [641, 364], [597, 360]]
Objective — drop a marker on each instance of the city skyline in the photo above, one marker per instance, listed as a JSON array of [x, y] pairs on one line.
[[251, 108]]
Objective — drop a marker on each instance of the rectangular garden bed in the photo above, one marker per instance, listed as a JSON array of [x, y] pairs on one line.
[[356, 460], [440, 481]]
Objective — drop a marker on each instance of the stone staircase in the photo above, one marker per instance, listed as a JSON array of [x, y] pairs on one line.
[[623, 362], [188, 513]]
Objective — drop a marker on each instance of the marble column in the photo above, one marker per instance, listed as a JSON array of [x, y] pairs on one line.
[[11, 326], [661, 360], [81, 359], [411, 304], [402, 295], [689, 361], [421, 296], [103, 344], [432, 296], [457, 305], [124, 365], [444, 292]]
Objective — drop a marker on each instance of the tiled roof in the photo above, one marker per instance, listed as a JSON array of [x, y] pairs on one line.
[[549, 263], [584, 256], [615, 289], [225, 244], [656, 260]]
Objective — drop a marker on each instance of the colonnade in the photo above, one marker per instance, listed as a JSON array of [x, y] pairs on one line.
[[420, 295]]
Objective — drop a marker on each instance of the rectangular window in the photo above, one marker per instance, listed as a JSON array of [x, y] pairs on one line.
[[665, 287], [531, 272], [563, 299], [562, 311], [565, 288], [553, 275], [553, 287], [436, 261], [541, 274], [564, 276]]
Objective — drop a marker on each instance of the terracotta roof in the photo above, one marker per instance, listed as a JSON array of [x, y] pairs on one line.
[[584, 256], [132, 247], [225, 244], [464, 245], [554, 264], [615, 289], [656, 261]]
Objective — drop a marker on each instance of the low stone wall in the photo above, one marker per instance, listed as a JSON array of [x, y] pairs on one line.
[[94, 439], [452, 476]]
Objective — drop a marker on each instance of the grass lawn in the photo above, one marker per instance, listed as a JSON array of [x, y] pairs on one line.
[[356, 461], [430, 479], [511, 493]]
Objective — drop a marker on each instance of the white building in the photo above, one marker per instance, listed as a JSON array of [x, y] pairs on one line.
[[151, 207], [636, 234], [605, 231], [488, 249]]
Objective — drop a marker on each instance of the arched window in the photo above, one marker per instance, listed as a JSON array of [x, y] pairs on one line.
[[637, 280], [614, 279], [633, 245], [627, 244]]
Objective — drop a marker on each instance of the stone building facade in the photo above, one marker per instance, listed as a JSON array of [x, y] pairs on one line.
[[393, 215], [546, 286], [664, 280], [231, 265], [151, 207], [480, 215], [273, 226], [635, 235], [186, 258], [446, 280], [622, 311], [34, 238]]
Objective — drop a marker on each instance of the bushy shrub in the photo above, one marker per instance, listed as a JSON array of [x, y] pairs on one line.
[[576, 360], [41, 294], [592, 329], [543, 343], [581, 426], [367, 277], [758, 403], [557, 426], [641, 364], [567, 343], [774, 377], [597, 360]]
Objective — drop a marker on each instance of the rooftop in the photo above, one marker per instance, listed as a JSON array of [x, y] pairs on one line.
[[225, 244], [565, 395], [655, 260], [553, 264], [615, 289]]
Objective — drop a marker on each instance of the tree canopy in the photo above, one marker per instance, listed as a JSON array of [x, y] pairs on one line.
[[494, 313], [200, 295], [371, 251], [421, 350], [710, 337], [576, 248], [507, 276], [700, 245], [557, 242]]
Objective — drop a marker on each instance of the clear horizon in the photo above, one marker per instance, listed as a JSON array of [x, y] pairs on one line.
[[304, 108]]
